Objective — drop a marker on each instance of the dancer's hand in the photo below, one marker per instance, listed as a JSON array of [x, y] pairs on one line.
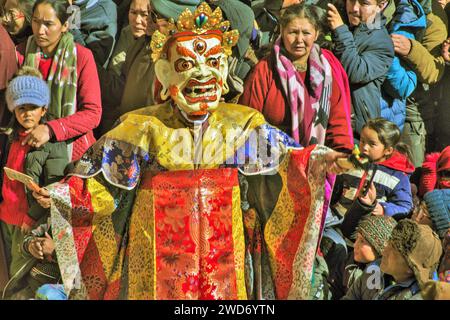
[[332, 164]]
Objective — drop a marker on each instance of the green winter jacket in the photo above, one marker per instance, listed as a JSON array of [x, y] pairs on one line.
[[46, 165]]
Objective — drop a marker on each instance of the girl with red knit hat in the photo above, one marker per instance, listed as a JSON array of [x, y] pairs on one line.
[[435, 172]]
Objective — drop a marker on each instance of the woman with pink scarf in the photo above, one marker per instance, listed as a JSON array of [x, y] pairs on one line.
[[301, 88]]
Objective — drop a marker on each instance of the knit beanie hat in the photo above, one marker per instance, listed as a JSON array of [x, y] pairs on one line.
[[433, 164], [438, 204], [173, 8], [27, 90], [429, 173], [420, 247], [377, 231]]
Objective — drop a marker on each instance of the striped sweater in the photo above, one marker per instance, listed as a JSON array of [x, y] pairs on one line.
[[391, 182]]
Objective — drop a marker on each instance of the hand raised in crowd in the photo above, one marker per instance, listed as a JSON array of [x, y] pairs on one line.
[[38, 136], [402, 45], [446, 50], [35, 248], [43, 198], [378, 211], [370, 197], [333, 17]]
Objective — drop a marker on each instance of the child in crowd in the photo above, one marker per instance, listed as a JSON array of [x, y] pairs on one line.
[[390, 191], [435, 172], [42, 270], [389, 194], [372, 235], [434, 211], [27, 97], [409, 260]]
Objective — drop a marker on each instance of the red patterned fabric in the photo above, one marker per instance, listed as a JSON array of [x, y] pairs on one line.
[[301, 195], [193, 231], [299, 190]]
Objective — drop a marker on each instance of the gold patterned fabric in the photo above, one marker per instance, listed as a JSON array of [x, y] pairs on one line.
[[149, 227]]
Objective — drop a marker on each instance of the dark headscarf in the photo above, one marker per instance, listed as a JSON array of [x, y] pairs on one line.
[[242, 18], [173, 8]]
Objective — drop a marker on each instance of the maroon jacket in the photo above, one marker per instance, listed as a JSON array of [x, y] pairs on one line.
[[263, 92], [89, 106]]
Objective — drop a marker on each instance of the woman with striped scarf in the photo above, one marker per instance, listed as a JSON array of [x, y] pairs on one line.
[[71, 75], [300, 87]]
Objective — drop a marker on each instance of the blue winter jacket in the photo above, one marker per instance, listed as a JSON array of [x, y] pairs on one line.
[[391, 182], [393, 110], [408, 20]]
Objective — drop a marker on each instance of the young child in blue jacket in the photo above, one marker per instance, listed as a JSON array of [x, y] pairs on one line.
[[390, 191]]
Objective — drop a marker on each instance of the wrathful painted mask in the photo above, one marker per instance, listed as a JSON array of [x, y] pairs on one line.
[[191, 60], [194, 74]]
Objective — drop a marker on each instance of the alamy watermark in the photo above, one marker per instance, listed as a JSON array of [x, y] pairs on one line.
[[254, 148], [75, 17], [374, 281]]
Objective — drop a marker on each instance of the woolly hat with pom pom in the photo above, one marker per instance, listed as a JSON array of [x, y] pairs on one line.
[[434, 163]]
